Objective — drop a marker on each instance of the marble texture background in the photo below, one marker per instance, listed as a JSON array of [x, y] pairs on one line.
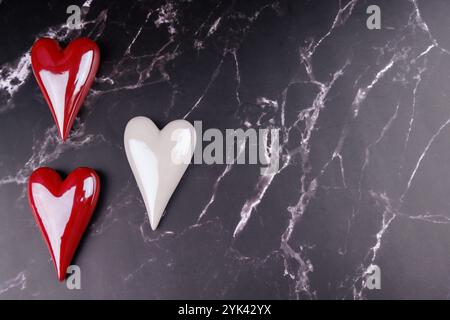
[[365, 164]]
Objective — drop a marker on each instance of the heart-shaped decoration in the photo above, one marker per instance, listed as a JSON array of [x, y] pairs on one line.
[[158, 160], [65, 76], [62, 210]]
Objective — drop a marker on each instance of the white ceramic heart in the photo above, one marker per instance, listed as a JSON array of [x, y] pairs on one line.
[[158, 160]]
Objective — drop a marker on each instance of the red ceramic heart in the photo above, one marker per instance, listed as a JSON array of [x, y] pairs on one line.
[[65, 76], [62, 210]]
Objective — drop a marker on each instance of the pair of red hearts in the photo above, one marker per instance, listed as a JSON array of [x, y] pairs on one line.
[[62, 209]]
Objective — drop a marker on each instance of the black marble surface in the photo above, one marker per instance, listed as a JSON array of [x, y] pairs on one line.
[[365, 130]]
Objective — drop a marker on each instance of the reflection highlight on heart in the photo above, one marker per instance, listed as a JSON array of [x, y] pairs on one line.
[[146, 162], [55, 213]]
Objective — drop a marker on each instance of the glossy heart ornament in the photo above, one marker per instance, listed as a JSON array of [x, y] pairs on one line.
[[158, 160], [62, 210], [65, 76]]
